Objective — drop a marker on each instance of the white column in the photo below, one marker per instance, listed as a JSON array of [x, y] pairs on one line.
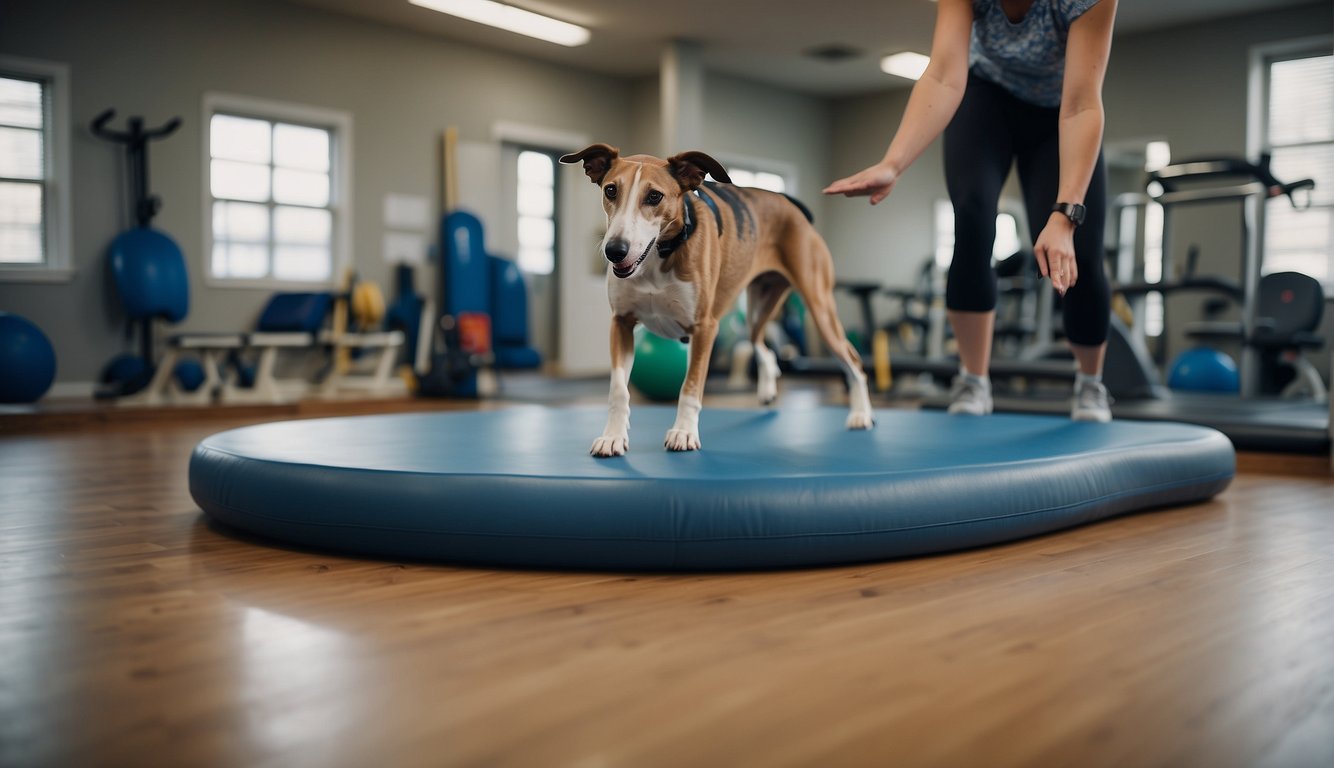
[[681, 86]]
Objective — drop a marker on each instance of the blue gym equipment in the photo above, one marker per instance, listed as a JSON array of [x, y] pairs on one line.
[[27, 360], [481, 295], [1202, 369], [147, 266], [770, 489]]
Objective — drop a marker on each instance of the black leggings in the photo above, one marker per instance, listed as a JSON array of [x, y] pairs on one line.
[[990, 129]]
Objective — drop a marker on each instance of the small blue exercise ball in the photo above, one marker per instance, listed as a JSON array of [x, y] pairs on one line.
[[123, 369], [27, 360], [660, 365], [189, 374], [1204, 370]]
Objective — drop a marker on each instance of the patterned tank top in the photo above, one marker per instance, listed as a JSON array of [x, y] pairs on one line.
[[1026, 58]]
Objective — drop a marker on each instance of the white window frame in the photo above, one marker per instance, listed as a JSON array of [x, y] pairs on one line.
[[1257, 106], [340, 177], [58, 267]]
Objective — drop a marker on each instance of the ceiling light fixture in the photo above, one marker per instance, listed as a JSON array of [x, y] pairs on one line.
[[907, 64], [510, 18]]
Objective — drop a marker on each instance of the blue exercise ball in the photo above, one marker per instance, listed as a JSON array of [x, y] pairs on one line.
[[1204, 370], [189, 374], [124, 369], [27, 360]]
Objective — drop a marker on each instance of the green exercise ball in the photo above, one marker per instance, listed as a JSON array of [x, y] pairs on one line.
[[660, 365]]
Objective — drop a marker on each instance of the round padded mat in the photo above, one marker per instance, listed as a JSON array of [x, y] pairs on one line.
[[771, 488]]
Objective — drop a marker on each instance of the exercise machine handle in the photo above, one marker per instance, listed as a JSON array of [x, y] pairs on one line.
[[99, 127], [1172, 177], [166, 130], [1276, 188], [1299, 201], [136, 134]]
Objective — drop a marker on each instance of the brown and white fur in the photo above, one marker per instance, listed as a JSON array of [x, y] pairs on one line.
[[766, 245]]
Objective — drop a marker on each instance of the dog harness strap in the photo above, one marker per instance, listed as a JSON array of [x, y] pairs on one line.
[[668, 248], [717, 214]]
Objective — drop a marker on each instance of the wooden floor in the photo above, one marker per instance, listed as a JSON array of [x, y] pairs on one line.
[[133, 633]]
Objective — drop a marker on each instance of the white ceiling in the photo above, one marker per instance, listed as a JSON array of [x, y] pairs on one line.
[[764, 40]]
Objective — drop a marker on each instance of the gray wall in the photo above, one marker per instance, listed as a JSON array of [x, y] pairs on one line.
[[745, 120]]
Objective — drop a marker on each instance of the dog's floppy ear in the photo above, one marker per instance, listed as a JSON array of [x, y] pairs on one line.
[[597, 160], [689, 168]]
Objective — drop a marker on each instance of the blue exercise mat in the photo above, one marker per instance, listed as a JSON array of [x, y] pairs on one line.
[[777, 488]]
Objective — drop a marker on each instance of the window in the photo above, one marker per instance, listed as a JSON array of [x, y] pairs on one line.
[[276, 201], [537, 212], [34, 188], [761, 173], [745, 177], [1007, 240], [1293, 102]]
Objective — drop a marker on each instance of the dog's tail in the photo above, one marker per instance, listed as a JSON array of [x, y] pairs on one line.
[[801, 207]]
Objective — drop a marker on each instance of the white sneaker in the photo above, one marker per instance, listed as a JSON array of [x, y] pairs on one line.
[[1091, 403], [970, 395]]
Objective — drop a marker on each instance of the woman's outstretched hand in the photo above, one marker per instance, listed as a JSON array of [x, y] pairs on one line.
[[875, 182]]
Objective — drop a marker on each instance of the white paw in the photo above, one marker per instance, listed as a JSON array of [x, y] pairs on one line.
[[768, 391], [860, 420], [610, 445], [681, 440]]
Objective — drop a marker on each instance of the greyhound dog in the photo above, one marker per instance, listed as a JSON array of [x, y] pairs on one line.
[[680, 252]]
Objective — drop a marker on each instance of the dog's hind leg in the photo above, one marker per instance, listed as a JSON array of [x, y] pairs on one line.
[[817, 290], [826, 320], [763, 297]]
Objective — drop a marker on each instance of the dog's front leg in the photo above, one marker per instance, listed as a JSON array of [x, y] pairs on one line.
[[684, 434], [615, 439]]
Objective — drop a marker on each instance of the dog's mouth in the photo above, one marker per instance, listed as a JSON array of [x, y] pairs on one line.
[[624, 270]]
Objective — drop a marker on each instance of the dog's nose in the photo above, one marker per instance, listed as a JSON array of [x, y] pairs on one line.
[[617, 250]]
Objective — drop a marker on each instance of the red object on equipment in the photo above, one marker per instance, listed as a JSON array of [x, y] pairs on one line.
[[475, 332]]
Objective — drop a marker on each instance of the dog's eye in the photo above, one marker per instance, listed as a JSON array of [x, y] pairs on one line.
[[653, 197], [610, 191]]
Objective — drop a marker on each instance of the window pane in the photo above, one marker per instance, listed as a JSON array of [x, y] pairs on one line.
[[302, 262], [536, 201], [770, 181], [240, 181], [241, 222], [20, 103], [300, 187], [741, 177], [219, 265], [21, 245], [1007, 237], [539, 261], [21, 153], [249, 261], [240, 138], [536, 168], [1313, 161], [308, 226], [1301, 100], [296, 146], [536, 233], [243, 260], [1298, 240], [20, 204]]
